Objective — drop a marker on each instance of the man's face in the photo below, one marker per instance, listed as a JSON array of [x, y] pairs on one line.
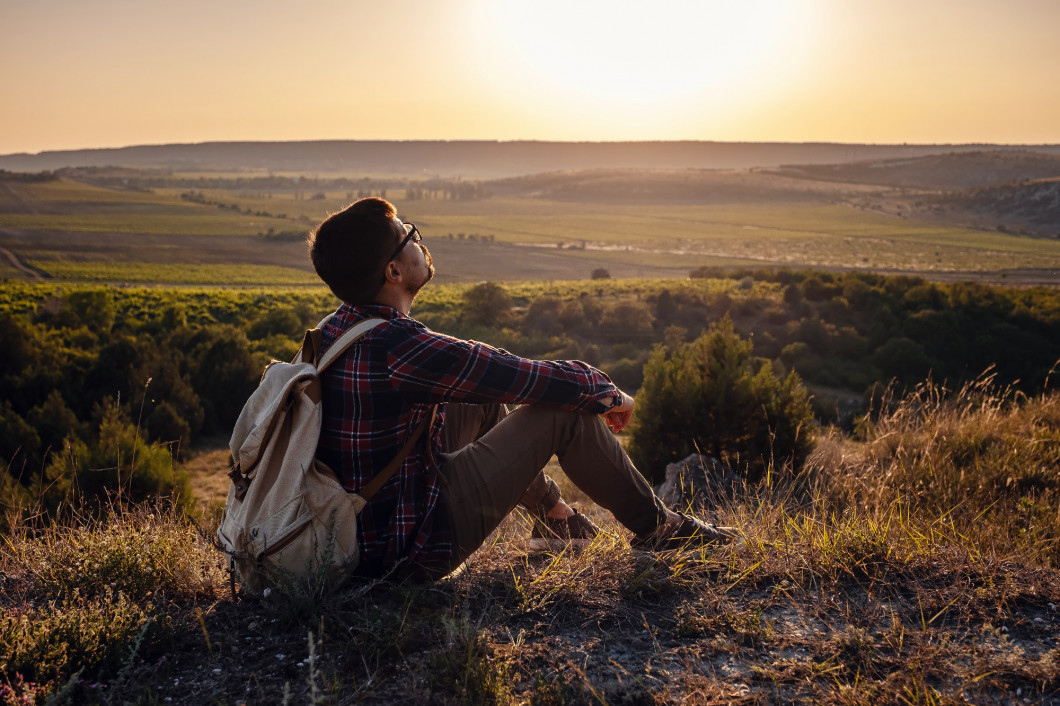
[[414, 257]]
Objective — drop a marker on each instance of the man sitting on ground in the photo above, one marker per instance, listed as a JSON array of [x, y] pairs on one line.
[[476, 462]]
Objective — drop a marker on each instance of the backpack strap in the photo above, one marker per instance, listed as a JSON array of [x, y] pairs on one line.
[[312, 343], [383, 476], [314, 338]]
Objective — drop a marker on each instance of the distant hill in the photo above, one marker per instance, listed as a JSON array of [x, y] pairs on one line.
[[1013, 191], [666, 186], [952, 170], [479, 159], [1025, 207]]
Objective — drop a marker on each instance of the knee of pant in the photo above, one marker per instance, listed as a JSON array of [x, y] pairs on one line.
[[561, 417]]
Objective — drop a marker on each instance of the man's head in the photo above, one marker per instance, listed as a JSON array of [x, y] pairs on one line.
[[353, 251]]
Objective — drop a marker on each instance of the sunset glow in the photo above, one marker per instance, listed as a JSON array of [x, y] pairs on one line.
[[117, 72]]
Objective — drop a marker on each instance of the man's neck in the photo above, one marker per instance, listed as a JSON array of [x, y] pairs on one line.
[[395, 299]]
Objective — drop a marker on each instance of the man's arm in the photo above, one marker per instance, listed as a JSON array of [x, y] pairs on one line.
[[431, 367]]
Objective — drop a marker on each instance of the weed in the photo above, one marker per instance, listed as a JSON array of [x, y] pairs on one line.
[[467, 670]]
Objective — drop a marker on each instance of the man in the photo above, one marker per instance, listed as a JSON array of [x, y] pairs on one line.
[[476, 462]]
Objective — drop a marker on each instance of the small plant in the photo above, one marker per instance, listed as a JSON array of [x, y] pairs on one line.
[[467, 670], [139, 551]]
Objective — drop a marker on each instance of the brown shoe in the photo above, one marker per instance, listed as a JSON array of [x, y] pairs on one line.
[[685, 531], [552, 534]]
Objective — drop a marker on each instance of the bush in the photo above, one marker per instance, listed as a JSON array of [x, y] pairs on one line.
[[903, 359], [118, 460], [712, 396], [486, 303], [543, 315]]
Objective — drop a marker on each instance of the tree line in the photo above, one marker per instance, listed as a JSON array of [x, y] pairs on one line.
[[94, 378]]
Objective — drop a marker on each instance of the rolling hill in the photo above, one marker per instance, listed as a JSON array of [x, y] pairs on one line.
[[476, 159]]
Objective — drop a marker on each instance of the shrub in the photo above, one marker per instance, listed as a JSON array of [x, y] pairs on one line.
[[543, 315], [486, 303], [118, 460], [711, 395], [284, 322], [94, 308], [902, 358], [628, 317]]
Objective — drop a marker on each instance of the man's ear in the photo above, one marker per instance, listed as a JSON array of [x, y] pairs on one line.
[[392, 272]]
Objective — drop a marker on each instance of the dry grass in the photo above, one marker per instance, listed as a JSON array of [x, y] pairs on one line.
[[83, 598], [870, 584], [980, 466]]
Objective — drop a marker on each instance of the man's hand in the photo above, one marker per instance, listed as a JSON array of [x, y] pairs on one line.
[[618, 417]]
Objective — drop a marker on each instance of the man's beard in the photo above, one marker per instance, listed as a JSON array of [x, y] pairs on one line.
[[415, 287]]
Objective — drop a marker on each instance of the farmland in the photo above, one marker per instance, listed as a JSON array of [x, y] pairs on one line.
[[632, 223]]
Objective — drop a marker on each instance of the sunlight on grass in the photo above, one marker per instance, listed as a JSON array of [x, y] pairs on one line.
[[158, 273]]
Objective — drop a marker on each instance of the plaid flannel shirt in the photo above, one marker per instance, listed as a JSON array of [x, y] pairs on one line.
[[381, 388]]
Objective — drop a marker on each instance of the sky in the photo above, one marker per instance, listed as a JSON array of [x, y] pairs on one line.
[[109, 73]]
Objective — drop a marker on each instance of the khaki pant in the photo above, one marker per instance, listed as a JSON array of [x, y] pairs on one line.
[[493, 461]]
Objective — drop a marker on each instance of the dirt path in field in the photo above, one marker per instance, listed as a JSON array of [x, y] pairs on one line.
[[22, 267]]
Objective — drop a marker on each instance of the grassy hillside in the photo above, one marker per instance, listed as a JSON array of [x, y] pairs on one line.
[[950, 171], [1027, 207], [914, 557], [916, 563], [470, 158]]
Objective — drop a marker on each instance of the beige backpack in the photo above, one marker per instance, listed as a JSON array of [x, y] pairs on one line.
[[288, 521]]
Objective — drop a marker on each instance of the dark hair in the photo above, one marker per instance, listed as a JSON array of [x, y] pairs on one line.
[[348, 247]]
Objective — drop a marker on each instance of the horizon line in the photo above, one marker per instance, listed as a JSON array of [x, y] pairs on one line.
[[528, 141]]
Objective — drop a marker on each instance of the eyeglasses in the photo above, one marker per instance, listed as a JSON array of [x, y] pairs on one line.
[[413, 235]]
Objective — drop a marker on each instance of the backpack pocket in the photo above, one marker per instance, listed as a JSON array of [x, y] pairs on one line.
[[279, 529]]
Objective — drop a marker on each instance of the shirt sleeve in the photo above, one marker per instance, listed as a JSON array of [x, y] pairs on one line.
[[432, 367]]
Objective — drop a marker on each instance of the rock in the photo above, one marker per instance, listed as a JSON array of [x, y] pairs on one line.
[[697, 482]]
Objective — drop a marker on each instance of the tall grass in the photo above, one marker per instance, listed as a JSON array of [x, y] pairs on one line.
[[981, 464], [83, 595]]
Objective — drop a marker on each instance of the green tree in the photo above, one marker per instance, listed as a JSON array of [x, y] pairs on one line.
[[628, 317], [571, 315], [93, 307], [227, 373], [711, 395], [17, 349], [19, 442], [117, 458], [53, 420], [903, 359], [543, 314], [278, 321], [485, 304]]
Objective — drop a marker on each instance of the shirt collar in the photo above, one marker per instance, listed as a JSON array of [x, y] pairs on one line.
[[359, 312]]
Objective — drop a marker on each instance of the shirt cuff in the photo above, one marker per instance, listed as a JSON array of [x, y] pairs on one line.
[[611, 400]]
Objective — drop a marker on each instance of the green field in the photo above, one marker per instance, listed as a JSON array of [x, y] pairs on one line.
[[60, 226], [156, 273]]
